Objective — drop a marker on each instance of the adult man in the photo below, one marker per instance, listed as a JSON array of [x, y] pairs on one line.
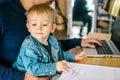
[[12, 33]]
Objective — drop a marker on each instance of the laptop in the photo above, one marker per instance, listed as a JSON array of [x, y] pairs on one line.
[[109, 48]]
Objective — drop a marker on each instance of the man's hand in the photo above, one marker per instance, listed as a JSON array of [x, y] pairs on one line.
[[88, 42], [31, 77]]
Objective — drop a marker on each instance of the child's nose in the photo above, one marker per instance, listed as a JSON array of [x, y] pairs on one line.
[[39, 27]]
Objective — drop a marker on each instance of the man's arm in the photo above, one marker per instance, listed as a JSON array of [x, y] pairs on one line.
[[7, 73], [70, 43]]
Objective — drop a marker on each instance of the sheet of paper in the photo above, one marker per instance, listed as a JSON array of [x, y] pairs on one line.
[[90, 72]]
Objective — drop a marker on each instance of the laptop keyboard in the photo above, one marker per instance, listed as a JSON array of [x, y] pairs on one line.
[[104, 49]]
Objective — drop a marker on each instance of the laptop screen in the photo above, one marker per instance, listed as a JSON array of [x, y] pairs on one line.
[[116, 30]]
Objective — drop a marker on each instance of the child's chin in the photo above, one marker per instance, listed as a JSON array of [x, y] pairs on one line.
[[39, 37]]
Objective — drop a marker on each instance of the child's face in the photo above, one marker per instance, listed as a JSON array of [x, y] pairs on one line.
[[40, 26]]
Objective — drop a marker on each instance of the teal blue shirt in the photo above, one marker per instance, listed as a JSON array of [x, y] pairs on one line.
[[35, 59]]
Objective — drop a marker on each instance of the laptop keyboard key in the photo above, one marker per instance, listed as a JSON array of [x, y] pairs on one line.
[[104, 49]]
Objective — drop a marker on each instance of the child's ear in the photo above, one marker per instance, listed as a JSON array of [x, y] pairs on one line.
[[53, 28]]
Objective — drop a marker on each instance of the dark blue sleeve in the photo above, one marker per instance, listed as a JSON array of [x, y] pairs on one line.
[[7, 73], [70, 43]]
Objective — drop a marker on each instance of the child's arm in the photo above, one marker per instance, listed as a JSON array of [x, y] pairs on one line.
[[34, 63]]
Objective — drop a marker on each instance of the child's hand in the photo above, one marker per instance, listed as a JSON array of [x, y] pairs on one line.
[[62, 66], [81, 56]]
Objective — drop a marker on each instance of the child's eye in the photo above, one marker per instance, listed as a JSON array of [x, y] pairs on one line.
[[33, 24], [45, 24]]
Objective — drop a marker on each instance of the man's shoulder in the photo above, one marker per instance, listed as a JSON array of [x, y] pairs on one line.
[[6, 4]]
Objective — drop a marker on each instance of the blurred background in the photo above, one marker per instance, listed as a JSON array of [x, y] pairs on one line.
[[76, 18]]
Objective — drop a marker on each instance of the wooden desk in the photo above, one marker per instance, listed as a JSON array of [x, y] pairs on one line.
[[105, 61], [112, 62]]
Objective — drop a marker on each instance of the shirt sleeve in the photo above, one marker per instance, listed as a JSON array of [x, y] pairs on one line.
[[7, 73], [70, 43], [70, 57]]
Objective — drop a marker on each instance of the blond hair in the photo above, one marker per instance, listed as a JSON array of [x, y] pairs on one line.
[[41, 9]]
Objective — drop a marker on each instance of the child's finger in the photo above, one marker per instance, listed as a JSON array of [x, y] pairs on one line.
[[65, 69]]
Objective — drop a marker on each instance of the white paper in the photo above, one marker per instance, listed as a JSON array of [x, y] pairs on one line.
[[90, 72]]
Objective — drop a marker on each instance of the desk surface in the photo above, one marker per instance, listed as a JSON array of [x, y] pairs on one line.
[[112, 62], [102, 61]]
